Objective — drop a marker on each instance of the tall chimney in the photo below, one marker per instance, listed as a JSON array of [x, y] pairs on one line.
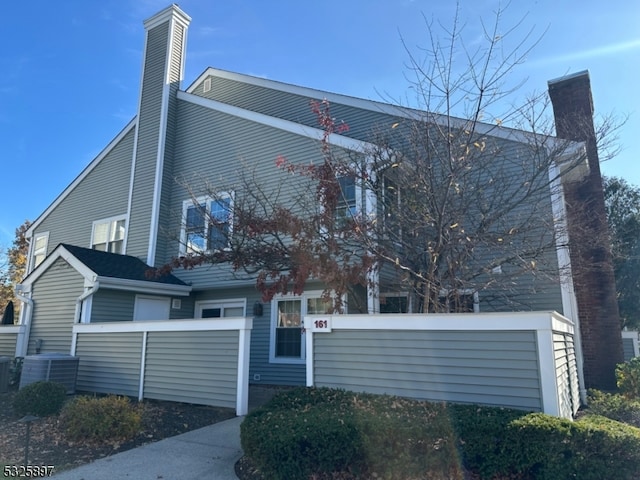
[[591, 261], [162, 72]]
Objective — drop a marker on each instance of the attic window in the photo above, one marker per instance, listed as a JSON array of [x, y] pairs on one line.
[[108, 235], [207, 85]]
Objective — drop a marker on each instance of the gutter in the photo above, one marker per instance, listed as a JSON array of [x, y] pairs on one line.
[[78, 313], [22, 344]]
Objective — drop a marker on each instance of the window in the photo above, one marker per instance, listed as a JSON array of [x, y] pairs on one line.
[[39, 252], [108, 235], [394, 303], [460, 301], [221, 309], [347, 203], [207, 224], [287, 315]]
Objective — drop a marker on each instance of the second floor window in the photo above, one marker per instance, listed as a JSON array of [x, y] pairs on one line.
[[40, 241], [108, 235], [207, 224], [347, 205]]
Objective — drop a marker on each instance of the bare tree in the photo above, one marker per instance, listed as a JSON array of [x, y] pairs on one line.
[[447, 202]]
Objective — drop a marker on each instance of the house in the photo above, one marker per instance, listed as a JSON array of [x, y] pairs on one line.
[[125, 213]]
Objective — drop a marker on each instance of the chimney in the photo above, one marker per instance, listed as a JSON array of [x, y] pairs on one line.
[[591, 261], [162, 72]]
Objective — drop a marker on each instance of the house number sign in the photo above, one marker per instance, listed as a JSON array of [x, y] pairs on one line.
[[321, 324]]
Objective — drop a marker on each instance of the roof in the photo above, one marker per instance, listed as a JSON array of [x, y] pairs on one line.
[[114, 265]]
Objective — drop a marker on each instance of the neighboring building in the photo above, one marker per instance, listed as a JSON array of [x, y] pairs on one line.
[[126, 212]]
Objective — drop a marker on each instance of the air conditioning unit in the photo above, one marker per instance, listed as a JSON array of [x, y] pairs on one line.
[[50, 367]]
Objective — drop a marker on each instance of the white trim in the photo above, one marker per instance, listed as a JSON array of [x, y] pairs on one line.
[[32, 249], [548, 375], [488, 321], [160, 149], [244, 358], [143, 364], [207, 200], [334, 139], [312, 294], [88, 169], [567, 290], [109, 221], [190, 325], [141, 286], [60, 252], [223, 303], [380, 107], [172, 12]]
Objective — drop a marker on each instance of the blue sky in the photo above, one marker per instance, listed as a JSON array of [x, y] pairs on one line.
[[70, 70]]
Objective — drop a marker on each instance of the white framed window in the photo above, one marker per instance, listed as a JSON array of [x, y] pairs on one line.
[[207, 224], [460, 300], [108, 234], [39, 251], [287, 336], [221, 308]]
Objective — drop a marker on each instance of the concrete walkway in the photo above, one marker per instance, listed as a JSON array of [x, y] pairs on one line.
[[209, 453]]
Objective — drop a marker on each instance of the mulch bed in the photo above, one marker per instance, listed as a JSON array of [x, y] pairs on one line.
[[48, 445]]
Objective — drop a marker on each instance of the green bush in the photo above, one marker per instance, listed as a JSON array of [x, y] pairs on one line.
[[306, 432], [628, 378], [591, 448], [614, 406], [481, 434], [320, 430], [40, 398], [101, 419]]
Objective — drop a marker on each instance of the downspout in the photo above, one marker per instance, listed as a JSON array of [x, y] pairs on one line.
[[25, 315], [78, 313]]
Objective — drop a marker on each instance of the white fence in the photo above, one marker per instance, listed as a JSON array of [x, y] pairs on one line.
[[197, 361], [517, 360]]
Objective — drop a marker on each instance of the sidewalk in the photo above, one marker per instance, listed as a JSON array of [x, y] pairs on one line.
[[209, 453]]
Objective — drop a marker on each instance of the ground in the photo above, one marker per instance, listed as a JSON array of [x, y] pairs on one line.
[[48, 445]]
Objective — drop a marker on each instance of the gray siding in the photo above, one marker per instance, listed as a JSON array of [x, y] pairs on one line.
[[168, 178], [566, 374], [493, 368], [7, 344], [148, 141], [216, 147], [112, 306], [109, 362], [103, 193], [259, 364], [195, 367], [54, 298]]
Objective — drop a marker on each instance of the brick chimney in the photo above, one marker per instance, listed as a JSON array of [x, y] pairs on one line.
[[591, 261]]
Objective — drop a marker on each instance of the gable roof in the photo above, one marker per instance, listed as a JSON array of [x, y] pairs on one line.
[[114, 265], [111, 270]]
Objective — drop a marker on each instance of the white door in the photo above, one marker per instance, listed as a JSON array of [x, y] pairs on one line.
[[151, 308]]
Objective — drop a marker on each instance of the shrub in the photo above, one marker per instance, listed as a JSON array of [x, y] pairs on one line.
[[40, 398], [615, 407], [481, 433], [320, 430], [628, 378], [101, 419], [592, 448]]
